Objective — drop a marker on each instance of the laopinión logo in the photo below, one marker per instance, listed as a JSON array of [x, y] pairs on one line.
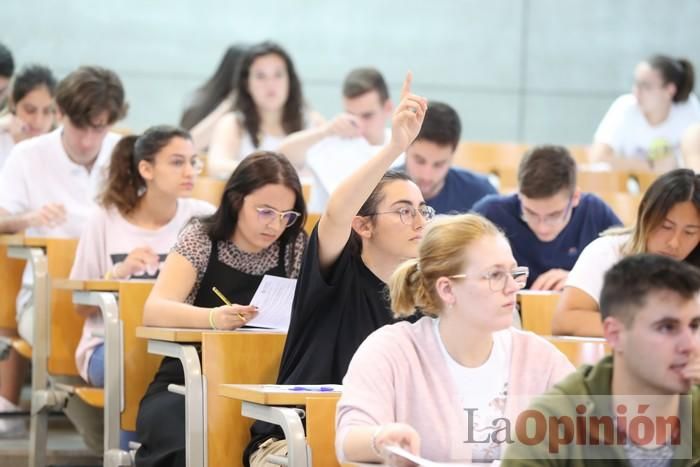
[[589, 426]]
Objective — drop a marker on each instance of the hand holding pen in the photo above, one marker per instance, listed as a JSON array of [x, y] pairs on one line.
[[230, 316]]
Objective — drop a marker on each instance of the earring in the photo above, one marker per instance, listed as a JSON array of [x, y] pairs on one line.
[[141, 191]]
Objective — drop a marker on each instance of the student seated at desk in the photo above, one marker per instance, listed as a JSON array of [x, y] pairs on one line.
[[373, 222], [32, 111], [257, 230], [650, 307], [644, 129], [411, 384], [48, 183], [269, 105], [142, 210], [668, 223], [549, 221]]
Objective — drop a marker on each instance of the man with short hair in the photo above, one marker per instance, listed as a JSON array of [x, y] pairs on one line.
[[343, 144], [7, 69], [48, 187], [650, 306], [449, 190], [549, 221]]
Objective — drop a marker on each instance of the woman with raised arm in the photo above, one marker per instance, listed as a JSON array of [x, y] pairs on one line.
[[668, 223], [372, 223]]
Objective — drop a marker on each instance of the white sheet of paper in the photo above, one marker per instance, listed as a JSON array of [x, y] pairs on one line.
[[397, 451], [274, 301]]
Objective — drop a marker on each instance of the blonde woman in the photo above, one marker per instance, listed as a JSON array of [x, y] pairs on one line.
[[668, 223], [425, 386]]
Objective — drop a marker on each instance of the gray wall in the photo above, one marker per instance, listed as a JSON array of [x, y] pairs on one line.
[[517, 70]]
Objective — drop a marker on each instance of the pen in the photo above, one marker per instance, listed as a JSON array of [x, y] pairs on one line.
[[225, 300], [306, 388]]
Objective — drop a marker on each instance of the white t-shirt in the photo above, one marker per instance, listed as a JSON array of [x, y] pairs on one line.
[[594, 261], [107, 240], [483, 392], [267, 143], [332, 159], [627, 131], [38, 171], [6, 145]]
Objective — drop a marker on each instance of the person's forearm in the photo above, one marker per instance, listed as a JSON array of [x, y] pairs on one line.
[[169, 313], [13, 223], [351, 194], [203, 131], [573, 322], [296, 145], [357, 445]]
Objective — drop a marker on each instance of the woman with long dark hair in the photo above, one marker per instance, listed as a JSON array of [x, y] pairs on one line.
[[269, 105], [257, 230], [668, 223], [213, 99]]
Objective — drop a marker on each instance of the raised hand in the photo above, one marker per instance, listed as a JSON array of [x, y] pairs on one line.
[[408, 116], [139, 261]]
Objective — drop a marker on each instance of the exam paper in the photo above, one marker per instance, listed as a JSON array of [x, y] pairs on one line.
[[400, 452], [274, 301]]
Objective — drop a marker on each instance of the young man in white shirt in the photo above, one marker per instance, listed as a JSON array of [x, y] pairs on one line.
[[343, 144], [48, 186]]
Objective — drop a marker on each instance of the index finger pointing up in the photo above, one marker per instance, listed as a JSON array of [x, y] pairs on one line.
[[406, 88]]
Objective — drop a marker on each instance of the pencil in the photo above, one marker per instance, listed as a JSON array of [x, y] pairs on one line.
[[225, 300]]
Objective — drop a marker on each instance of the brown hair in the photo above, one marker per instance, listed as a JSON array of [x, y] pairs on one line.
[[671, 188], [363, 80], [441, 254], [546, 170], [293, 110], [372, 203], [88, 92], [124, 183], [679, 71]]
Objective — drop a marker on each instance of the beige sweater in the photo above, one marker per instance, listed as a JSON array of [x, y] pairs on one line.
[[399, 374]]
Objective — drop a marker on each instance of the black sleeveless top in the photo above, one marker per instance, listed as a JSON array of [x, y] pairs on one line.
[[237, 286]]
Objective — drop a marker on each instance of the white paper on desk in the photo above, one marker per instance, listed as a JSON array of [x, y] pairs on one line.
[[274, 301], [400, 452]]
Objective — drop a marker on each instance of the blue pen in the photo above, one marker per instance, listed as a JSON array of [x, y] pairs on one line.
[[305, 388]]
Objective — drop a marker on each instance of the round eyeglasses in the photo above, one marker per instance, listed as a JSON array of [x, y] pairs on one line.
[[286, 218], [498, 277], [408, 214]]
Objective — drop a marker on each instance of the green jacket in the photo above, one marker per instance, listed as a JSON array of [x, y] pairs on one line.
[[585, 384]]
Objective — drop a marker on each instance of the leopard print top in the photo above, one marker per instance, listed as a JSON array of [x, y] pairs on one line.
[[194, 245]]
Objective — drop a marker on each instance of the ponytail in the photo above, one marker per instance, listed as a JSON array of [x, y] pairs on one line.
[[688, 82], [123, 181]]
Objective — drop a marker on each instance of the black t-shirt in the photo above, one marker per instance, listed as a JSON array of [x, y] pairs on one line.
[[332, 315]]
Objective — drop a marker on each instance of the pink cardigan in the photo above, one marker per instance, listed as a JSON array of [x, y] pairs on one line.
[[399, 374]]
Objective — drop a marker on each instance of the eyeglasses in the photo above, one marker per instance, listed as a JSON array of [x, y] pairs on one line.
[[408, 213], [287, 218], [549, 219], [178, 164], [498, 277]]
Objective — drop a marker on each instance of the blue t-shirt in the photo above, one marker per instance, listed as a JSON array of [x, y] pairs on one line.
[[461, 190], [588, 220]]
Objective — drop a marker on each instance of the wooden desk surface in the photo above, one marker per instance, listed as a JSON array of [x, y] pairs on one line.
[[184, 335], [21, 240], [267, 394], [87, 286]]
